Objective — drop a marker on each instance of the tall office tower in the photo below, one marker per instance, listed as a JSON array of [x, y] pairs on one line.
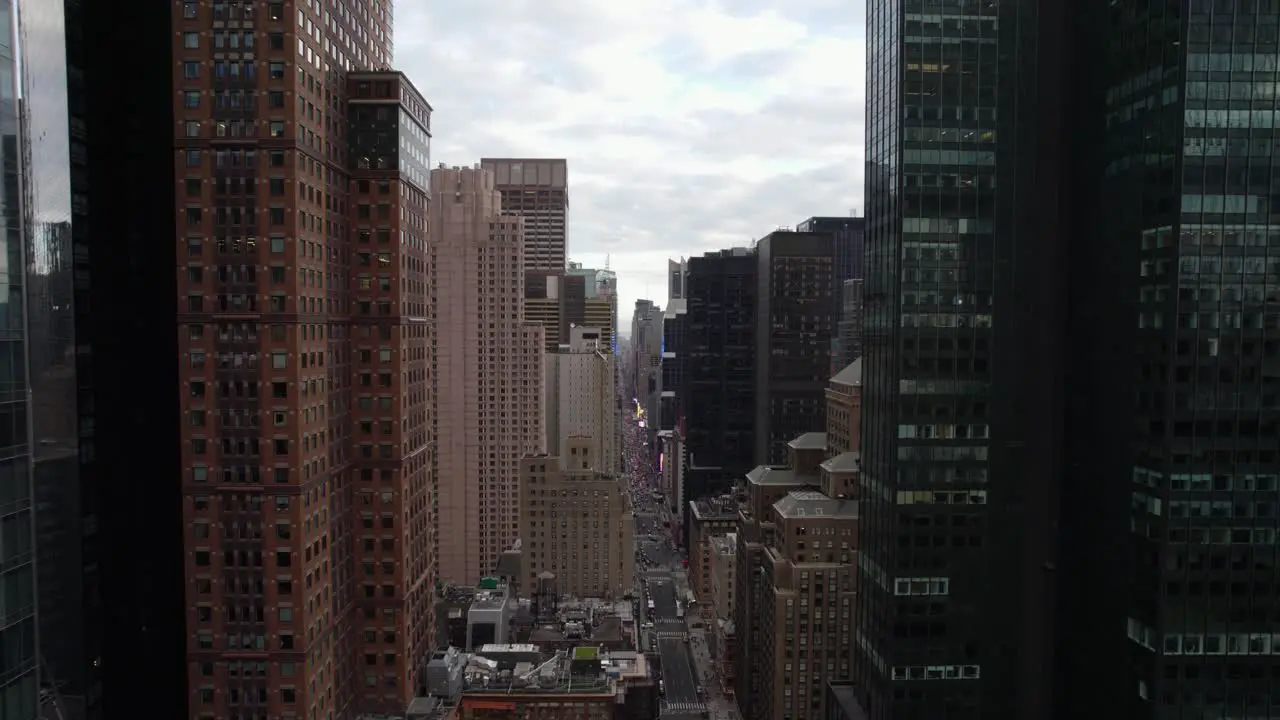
[[673, 327], [646, 343], [848, 235], [1174, 408], [538, 190], [543, 303], [20, 685], [718, 368], [671, 365], [562, 299], [963, 363], [599, 305], [488, 383], [847, 345], [848, 238], [577, 523], [55, 420], [132, 558], [300, 313], [796, 319], [582, 397], [390, 353]]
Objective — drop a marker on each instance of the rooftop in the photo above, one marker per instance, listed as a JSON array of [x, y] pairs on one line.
[[770, 475], [489, 599], [809, 441], [846, 699], [850, 375], [811, 503], [584, 670], [720, 507], [844, 462]]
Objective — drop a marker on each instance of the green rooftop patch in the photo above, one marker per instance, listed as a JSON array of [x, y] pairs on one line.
[[585, 653]]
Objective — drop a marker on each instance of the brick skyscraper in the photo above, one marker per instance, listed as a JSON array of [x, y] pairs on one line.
[[304, 351], [489, 377]]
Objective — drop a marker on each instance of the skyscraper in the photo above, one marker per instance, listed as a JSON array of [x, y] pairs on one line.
[[489, 378], [646, 344], [126, 335], [963, 364], [303, 350], [795, 321], [847, 235], [581, 398], [104, 600], [670, 409], [56, 258], [719, 370], [538, 190], [20, 687], [390, 352], [1173, 407]]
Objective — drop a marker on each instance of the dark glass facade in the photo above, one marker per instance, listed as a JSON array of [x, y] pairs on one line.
[[719, 362], [795, 324], [1174, 420], [847, 345], [19, 681], [848, 234], [670, 405], [56, 237], [963, 358], [126, 332]]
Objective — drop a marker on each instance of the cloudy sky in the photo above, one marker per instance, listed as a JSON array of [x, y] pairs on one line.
[[689, 125]]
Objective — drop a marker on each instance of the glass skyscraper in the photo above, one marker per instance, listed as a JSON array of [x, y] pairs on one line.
[[962, 355], [1171, 502], [1072, 368], [19, 659]]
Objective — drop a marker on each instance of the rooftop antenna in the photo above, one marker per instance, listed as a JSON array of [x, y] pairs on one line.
[[606, 261]]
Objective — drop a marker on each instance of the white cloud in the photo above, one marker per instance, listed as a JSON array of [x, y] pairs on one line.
[[689, 125]]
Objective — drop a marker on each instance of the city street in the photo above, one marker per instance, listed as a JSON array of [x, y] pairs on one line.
[[659, 573], [680, 682]]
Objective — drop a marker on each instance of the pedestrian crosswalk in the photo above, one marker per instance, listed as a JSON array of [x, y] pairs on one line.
[[670, 635], [683, 707]]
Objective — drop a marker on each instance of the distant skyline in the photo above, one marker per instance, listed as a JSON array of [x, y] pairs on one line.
[[689, 125]]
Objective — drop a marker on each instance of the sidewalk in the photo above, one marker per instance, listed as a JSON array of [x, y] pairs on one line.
[[721, 707]]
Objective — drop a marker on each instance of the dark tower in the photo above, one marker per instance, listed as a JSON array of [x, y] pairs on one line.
[[963, 358]]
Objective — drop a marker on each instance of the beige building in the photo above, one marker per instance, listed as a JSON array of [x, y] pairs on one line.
[[724, 549], [708, 518], [796, 565], [844, 409], [724, 580], [488, 375], [577, 523], [581, 397], [558, 300], [806, 614]]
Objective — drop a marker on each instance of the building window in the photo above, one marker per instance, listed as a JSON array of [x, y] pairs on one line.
[[190, 70], [190, 40]]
